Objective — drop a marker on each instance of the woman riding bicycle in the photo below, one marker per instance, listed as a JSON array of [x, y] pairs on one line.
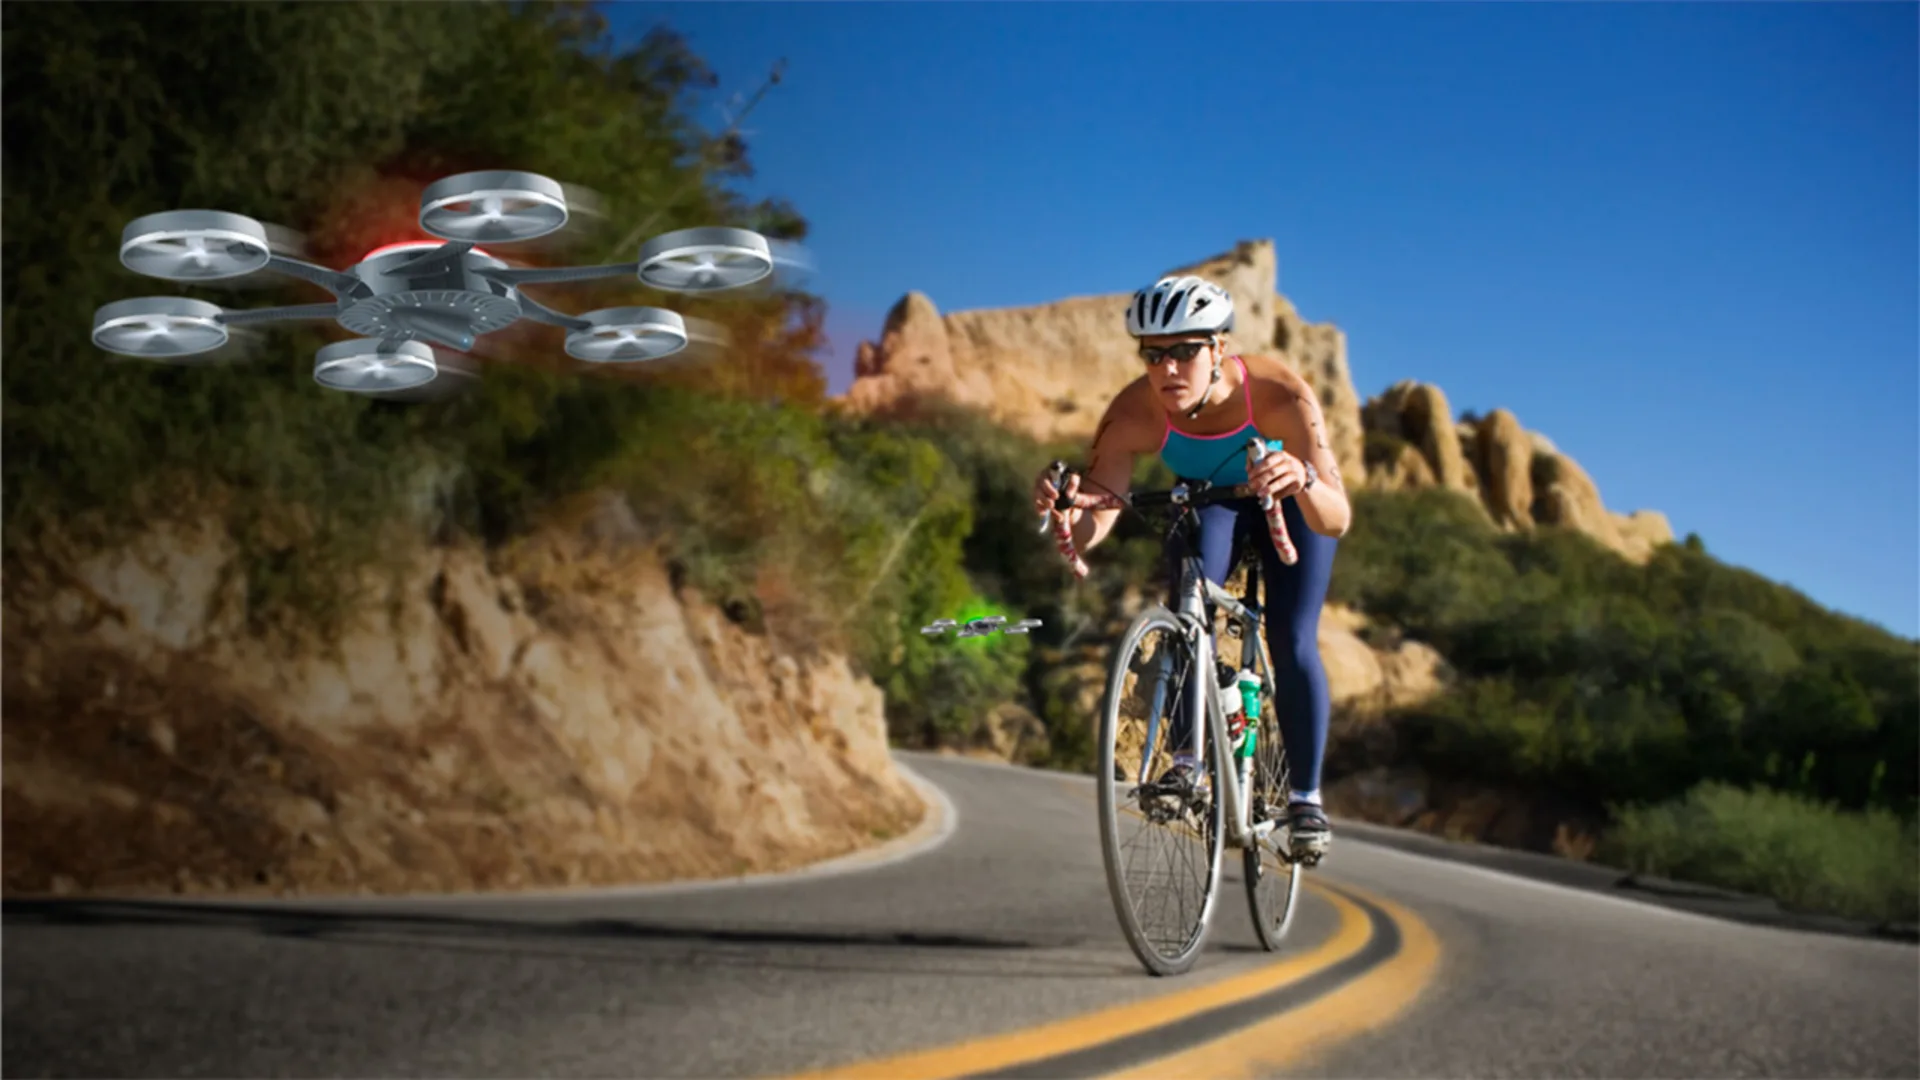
[[1180, 322]]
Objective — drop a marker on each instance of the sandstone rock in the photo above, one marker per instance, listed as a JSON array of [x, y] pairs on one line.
[[1403, 469], [1353, 670], [1504, 462], [1418, 413], [1564, 495], [162, 587], [1520, 479], [1641, 533], [914, 357], [1364, 681]]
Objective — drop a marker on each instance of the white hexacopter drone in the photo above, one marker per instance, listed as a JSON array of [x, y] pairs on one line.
[[402, 296]]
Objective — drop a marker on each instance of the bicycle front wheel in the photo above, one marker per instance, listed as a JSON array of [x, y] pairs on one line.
[[1164, 902]]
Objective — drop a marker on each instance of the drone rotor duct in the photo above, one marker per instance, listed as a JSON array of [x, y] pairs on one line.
[[706, 259], [628, 334], [159, 327], [370, 366], [498, 206], [194, 245]]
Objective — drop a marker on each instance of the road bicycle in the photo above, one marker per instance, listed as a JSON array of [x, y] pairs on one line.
[[1243, 800]]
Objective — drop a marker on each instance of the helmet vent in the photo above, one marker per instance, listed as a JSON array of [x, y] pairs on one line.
[[1173, 305]]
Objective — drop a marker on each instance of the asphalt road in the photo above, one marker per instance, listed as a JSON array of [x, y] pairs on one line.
[[998, 945]]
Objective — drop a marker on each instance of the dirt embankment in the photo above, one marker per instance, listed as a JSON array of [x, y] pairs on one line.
[[556, 714]]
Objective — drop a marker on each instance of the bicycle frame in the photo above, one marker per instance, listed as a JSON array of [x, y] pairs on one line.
[[1205, 713]]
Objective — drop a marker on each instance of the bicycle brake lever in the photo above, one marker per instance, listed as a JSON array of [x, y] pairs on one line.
[[1056, 474]]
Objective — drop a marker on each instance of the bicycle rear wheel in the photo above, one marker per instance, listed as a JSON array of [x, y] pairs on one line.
[[1163, 908], [1272, 876]]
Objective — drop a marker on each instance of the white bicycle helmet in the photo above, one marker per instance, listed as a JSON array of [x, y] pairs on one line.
[[1181, 304]]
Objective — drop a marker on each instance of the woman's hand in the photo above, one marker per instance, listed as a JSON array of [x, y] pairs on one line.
[[1279, 474], [1044, 494]]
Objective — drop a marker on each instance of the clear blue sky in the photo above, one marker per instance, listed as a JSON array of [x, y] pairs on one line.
[[1678, 239]]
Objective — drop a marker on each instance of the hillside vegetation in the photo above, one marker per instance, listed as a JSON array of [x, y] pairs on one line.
[[1729, 729]]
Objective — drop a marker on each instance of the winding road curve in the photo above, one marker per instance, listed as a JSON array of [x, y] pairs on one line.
[[991, 950]]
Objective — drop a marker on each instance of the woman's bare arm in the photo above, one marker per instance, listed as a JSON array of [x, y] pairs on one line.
[[1125, 432], [1292, 412]]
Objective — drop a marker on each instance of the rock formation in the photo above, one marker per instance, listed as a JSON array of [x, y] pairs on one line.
[[1048, 370], [557, 714]]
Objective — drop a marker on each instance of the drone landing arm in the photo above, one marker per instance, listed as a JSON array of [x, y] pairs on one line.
[[333, 281], [550, 275], [279, 314], [539, 312]]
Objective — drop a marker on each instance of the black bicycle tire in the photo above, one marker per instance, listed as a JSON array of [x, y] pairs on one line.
[[1154, 616], [1269, 936]]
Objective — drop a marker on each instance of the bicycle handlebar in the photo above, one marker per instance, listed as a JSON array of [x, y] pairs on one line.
[[1199, 493]]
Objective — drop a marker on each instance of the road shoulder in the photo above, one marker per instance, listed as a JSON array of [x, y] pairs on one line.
[[1591, 877]]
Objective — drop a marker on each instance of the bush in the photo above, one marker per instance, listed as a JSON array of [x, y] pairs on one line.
[[1584, 674], [1808, 855]]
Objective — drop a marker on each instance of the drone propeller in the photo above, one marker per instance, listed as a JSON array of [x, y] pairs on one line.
[[194, 245], [454, 374], [371, 365], [615, 335], [498, 206], [707, 259], [159, 327]]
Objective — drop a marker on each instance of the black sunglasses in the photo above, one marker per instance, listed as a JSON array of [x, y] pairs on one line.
[[1181, 351]]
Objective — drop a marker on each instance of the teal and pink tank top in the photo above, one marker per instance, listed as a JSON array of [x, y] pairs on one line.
[[1218, 459]]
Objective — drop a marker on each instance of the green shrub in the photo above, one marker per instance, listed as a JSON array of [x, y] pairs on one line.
[[1582, 673], [1381, 449], [1808, 855]]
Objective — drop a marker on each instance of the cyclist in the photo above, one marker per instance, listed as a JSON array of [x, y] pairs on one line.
[[1220, 399]]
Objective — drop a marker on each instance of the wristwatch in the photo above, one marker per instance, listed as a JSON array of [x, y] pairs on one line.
[[1312, 475]]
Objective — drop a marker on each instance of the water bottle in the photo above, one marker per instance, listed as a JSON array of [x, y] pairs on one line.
[[1250, 684]]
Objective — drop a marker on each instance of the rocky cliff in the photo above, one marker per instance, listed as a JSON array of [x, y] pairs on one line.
[[555, 714], [1048, 371]]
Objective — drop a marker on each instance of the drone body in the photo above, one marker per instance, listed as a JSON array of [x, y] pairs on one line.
[[978, 627], [402, 297]]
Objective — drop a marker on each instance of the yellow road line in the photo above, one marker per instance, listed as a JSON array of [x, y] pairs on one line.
[[1294, 1037], [1115, 1022]]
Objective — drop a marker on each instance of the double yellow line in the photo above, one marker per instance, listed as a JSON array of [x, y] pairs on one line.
[[1278, 1040]]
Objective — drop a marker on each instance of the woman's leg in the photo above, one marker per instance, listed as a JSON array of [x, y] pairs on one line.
[[1293, 596]]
